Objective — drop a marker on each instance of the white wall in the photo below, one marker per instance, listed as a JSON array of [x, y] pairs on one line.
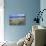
[[43, 6], [1, 21]]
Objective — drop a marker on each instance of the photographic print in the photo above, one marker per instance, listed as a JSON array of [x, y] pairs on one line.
[[17, 19]]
